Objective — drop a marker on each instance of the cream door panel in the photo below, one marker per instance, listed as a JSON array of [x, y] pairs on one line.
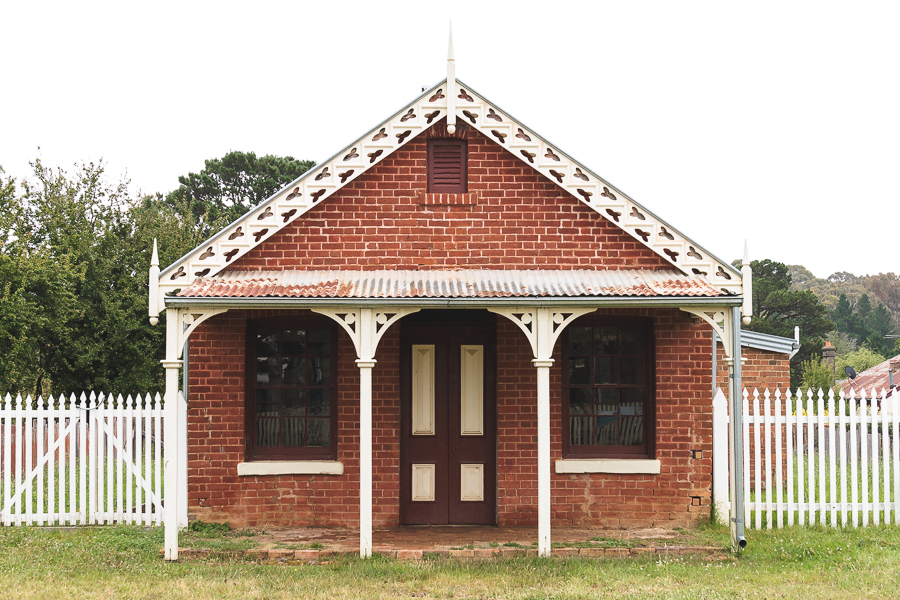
[[423, 483], [423, 389], [472, 483], [471, 390]]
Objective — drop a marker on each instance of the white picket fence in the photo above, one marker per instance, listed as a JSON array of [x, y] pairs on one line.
[[90, 459], [814, 458]]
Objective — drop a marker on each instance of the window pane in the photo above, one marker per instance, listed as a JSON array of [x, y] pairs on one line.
[[581, 431], [607, 401], [292, 432], [605, 340], [267, 342], [267, 432], [579, 370], [294, 371], [631, 431], [606, 431], [319, 342], [268, 371], [319, 403], [631, 340], [320, 371], [605, 369], [579, 341], [580, 401], [268, 403], [634, 398], [294, 341], [294, 402], [318, 432], [631, 370]]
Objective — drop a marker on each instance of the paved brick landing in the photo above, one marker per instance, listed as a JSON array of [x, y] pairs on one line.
[[467, 542]]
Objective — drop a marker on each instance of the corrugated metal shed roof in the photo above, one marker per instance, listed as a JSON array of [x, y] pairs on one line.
[[767, 342], [876, 378], [449, 284]]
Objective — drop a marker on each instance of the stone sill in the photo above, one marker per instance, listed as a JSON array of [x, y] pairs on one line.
[[291, 467], [625, 466]]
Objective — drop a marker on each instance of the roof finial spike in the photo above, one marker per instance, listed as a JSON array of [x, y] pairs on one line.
[[450, 46], [746, 253], [451, 85], [747, 285], [154, 286], [154, 258]]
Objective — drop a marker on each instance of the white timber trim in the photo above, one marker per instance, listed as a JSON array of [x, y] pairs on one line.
[[321, 182], [365, 326], [291, 467], [719, 320], [624, 466]]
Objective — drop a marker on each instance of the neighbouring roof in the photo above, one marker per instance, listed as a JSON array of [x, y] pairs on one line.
[[220, 251], [877, 378], [450, 284], [767, 342]]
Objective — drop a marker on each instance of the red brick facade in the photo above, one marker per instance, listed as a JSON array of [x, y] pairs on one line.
[[760, 369], [511, 218]]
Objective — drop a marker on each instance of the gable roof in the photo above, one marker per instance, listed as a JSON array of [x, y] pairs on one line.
[[316, 185]]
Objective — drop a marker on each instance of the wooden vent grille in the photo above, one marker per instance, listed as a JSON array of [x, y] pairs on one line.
[[447, 166]]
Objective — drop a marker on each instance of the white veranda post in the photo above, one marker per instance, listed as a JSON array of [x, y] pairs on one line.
[[542, 327], [365, 327]]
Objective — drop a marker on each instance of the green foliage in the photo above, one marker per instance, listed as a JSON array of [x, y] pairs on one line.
[[860, 359], [778, 309], [230, 186], [815, 375]]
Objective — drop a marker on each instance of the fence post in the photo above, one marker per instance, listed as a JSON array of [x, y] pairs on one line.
[[720, 458]]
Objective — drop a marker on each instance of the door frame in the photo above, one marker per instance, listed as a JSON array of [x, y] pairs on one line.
[[448, 331]]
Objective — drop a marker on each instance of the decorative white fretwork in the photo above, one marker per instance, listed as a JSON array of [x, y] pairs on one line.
[[719, 320], [364, 333], [542, 326], [190, 319], [472, 109]]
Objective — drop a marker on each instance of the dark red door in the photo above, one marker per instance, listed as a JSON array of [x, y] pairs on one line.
[[448, 442]]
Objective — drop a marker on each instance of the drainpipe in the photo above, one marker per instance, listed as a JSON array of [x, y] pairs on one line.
[[736, 441]]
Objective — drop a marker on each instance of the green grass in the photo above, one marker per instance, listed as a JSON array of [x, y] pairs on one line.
[[124, 562]]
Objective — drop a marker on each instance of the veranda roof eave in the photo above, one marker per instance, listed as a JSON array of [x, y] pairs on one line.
[[581, 301]]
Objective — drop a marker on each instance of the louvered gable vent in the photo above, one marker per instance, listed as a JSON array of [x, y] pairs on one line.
[[447, 166]]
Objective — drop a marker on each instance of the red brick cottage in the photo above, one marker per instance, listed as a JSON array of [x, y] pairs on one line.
[[449, 321]]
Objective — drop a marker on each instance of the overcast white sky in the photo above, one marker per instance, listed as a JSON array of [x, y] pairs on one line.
[[773, 121]]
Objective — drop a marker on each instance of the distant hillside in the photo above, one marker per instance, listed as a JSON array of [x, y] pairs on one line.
[[883, 288]]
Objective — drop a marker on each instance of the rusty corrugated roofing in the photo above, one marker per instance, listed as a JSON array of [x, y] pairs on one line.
[[876, 378], [449, 284]]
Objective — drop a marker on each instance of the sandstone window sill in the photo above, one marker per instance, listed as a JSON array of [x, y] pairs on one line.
[[291, 467], [608, 465]]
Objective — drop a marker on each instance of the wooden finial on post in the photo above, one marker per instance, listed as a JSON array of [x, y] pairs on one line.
[[747, 276], [154, 286]]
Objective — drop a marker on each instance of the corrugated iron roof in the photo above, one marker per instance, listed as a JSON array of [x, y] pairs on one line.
[[876, 378], [449, 284]]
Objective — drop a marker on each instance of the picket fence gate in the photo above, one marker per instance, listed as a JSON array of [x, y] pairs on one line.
[[814, 458], [89, 459]]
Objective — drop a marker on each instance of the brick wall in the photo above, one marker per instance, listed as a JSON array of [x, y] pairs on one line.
[[760, 369], [511, 218], [677, 496]]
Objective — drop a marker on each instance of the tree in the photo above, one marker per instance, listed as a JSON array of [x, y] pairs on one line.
[[815, 375], [880, 325], [842, 313], [860, 359], [777, 309], [230, 186]]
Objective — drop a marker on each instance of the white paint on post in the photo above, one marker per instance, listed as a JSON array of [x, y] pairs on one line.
[[365, 457], [182, 461], [543, 418], [720, 455], [171, 452]]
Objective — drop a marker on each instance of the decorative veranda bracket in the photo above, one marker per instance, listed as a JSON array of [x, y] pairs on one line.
[[542, 326], [720, 321], [189, 319], [365, 326]]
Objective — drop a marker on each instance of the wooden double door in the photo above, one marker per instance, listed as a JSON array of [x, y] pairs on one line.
[[448, 431]]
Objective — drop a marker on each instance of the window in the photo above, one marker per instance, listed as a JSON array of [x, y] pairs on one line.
[[608, 388], [447, 172], [291, 389]]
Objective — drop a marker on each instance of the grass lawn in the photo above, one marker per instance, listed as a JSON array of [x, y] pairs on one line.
[[124, 562]]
